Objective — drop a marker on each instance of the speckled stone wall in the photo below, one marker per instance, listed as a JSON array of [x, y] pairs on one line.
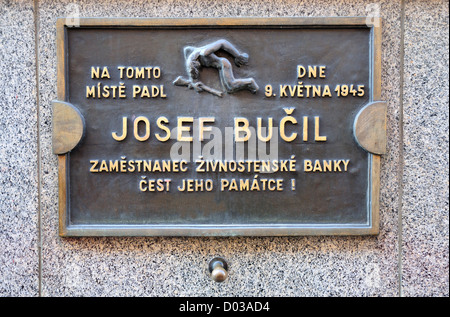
[[408, 258], [19, 198], [426, 176]]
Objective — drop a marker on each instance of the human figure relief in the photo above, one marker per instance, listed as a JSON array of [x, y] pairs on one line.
[[198, 57]]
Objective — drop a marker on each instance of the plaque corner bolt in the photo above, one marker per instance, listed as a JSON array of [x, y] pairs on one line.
[[218, 268]]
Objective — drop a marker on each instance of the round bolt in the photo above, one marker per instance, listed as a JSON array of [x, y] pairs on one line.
[[218, 269]]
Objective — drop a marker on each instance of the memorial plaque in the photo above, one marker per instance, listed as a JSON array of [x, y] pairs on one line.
[[194, 127]]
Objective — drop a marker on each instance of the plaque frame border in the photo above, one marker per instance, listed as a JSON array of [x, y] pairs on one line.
[[372, 227]]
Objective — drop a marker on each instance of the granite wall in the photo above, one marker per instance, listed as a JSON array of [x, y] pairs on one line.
[[409, 257]]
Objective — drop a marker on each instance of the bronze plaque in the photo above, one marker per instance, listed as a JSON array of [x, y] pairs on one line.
[[193, 127]]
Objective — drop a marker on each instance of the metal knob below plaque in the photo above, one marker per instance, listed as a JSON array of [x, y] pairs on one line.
[[218, 268]]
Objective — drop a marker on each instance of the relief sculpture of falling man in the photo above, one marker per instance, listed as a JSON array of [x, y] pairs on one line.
[[204, 56]]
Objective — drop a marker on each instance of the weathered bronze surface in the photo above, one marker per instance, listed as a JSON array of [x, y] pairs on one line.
[[370, 128], [68, 127], [268, 52]]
